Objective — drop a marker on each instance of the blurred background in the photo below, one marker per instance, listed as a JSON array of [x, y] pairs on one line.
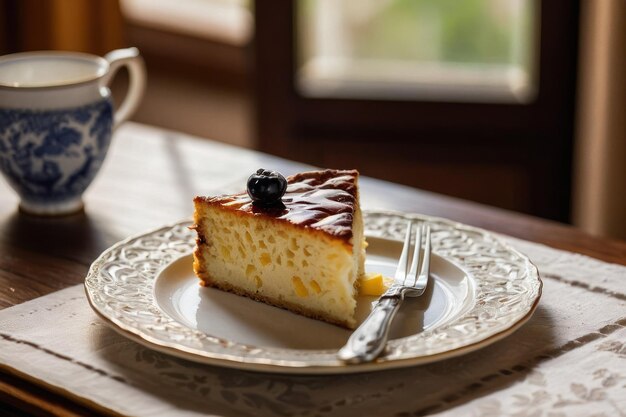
[[518, 104]]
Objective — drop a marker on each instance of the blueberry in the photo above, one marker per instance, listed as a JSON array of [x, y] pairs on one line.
[[266, 187]]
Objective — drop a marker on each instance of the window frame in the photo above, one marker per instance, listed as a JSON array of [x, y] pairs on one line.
[[537, 135]]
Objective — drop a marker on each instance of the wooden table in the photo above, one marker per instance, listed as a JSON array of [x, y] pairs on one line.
[[149, 179]]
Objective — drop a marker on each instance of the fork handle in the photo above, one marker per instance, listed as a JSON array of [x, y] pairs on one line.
[[369, 340]]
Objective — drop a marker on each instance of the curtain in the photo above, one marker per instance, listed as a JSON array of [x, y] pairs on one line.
[[599, 204], [93, 26]]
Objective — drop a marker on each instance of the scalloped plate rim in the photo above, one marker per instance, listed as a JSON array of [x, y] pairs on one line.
[[275, 366]]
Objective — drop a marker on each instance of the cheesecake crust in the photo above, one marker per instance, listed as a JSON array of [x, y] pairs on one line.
[[206, 281]]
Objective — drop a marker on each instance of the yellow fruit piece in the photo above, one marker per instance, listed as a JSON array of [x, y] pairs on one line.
[[316, 287], [265, 259], [299, 287], [373, 284]]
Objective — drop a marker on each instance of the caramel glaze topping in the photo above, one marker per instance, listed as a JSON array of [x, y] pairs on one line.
[[323, 200]]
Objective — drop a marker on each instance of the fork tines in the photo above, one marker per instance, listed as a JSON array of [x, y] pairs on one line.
[[412, 279]]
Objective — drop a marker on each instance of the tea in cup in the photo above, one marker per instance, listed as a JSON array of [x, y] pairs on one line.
[[56, 122]]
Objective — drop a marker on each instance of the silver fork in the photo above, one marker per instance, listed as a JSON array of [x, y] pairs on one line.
[[369, 340]]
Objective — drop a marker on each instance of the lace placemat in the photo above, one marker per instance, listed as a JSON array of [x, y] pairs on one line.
[[568, 360]]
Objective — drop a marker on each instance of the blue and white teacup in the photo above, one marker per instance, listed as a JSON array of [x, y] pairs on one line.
[[56, 121]]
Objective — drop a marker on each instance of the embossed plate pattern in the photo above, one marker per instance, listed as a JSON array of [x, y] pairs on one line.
[[120, 288]]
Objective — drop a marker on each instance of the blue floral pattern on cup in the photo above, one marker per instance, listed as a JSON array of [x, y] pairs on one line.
[[53, 155]]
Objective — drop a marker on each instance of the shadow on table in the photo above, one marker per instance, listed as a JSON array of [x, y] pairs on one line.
[[80, 237], [419, 390]]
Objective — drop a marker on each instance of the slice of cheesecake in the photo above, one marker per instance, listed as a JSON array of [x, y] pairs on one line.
[[304, 255]]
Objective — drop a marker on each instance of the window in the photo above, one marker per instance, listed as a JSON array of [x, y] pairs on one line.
[[473, 50], [444, 95], [227, 21]]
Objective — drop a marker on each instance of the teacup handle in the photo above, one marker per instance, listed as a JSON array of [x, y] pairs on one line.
[[137, 83]]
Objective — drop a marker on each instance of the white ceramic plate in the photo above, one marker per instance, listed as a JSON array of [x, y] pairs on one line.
[[480, 291]]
